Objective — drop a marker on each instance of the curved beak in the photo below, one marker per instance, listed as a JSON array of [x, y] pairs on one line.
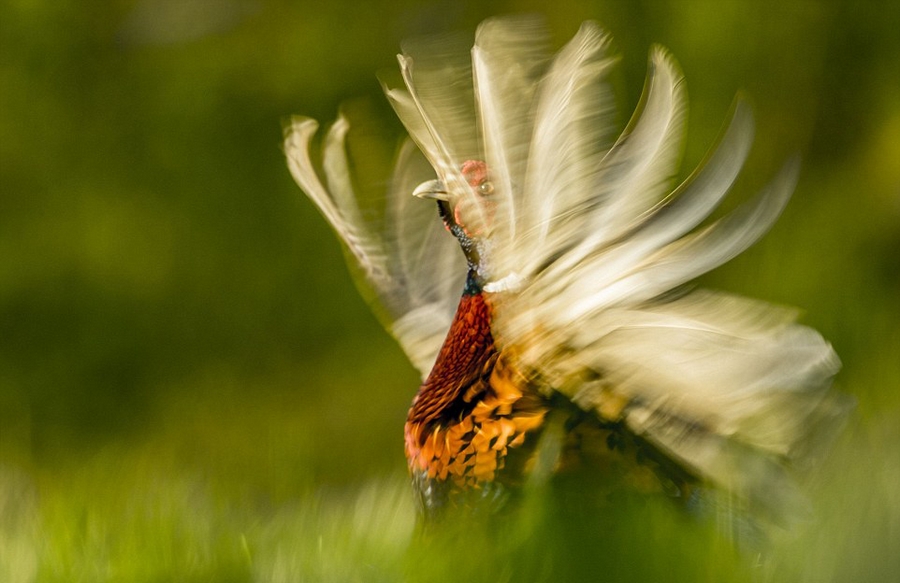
[[432, 189]]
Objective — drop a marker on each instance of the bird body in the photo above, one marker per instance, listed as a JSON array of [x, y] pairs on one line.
[[576, 253], [470, 412]]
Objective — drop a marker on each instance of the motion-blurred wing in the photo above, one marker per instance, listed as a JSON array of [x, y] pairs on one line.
[[405, 262], [734, 390], [437, 107]]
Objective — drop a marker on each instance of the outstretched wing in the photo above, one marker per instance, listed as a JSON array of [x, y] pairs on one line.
[[404, 262], [733, 389]]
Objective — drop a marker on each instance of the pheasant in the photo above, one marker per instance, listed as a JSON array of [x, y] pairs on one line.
[[576, 325]]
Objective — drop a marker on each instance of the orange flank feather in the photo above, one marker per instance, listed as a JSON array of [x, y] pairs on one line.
[[469, 411]]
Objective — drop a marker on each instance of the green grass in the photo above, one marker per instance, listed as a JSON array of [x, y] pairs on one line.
[[140, 524], [179, 505]]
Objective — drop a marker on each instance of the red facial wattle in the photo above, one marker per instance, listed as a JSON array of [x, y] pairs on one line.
[[475, 173]]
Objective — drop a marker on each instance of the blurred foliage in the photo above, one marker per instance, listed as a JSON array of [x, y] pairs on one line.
[[190, 387]]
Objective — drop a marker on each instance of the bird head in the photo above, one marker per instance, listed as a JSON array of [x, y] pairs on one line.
[[466, 215]]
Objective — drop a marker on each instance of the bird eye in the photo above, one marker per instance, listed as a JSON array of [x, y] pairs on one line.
[[486, 188]]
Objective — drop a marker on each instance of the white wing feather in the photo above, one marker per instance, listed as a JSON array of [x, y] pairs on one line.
[[438, 109], [508, 60], [414, 271]]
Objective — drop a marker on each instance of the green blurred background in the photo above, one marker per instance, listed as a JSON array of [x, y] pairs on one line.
[[190, 386]]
